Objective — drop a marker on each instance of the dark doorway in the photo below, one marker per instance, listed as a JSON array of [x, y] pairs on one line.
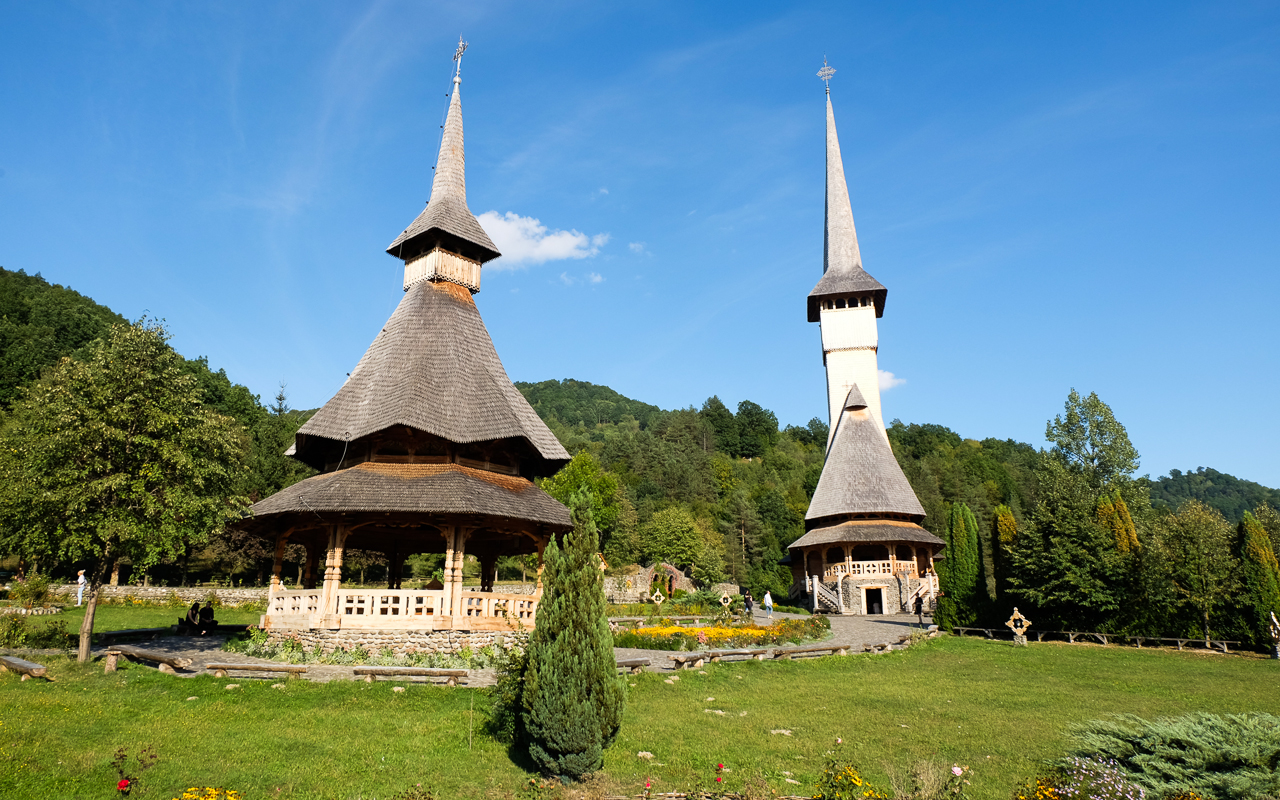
[[875, 601]]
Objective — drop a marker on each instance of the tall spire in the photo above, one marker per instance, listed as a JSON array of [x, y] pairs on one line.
[[447, 223], [842, 271]]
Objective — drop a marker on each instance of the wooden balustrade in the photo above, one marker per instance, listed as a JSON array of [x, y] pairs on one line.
[[402, 609], [859, 569]]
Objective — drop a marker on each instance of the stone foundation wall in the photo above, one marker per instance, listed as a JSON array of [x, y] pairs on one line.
[[162, 594], [401, 642], [634, 588]]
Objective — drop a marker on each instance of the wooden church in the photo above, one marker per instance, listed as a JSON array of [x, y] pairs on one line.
[[427, 448], [863, 551]]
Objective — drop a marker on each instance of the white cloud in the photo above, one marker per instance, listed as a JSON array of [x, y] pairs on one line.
[[525, 240], [888, 380], [566, 279], [636, 247], [595, 277], [603, 190]]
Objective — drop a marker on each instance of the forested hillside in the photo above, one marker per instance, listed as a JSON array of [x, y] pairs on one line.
[[1230, 495]]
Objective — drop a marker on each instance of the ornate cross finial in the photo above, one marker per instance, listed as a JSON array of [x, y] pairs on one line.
[[1019, 624], [826, 72], [457, 54]]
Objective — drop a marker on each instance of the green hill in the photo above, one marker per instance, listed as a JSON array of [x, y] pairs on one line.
[[1232, 496]]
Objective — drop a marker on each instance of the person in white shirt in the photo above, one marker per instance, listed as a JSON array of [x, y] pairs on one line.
[[768, 604], [80, 582]]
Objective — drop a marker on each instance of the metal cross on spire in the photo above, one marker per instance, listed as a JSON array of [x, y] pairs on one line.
[[457, 55], [826, 72]]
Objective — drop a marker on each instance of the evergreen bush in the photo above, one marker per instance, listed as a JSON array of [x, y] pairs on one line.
[[1259, 578], [960, 572], [573, 697], [1228, 756]]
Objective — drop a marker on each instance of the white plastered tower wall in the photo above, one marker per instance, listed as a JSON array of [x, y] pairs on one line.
[[849, 347], [847, 301]]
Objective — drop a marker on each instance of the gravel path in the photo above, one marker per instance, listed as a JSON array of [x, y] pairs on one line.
[[852, 631]]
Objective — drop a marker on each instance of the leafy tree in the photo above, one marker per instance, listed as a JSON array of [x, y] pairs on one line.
[[672, 536], [115, 457], [603, 489], [1089, 437], [757, 429], [1204, 572], [960, 573], [1269, 519], [573, 697], [815, 433], [743, 532], [1259, 578], [723, 423], [1004, 533]]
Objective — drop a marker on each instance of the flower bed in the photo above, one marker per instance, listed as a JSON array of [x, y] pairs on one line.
[[674, 637]]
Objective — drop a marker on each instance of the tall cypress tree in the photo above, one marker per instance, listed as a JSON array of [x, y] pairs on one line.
[[960, 572], [573, 696], [1004, 532], [1259, 578], [1112, 513]]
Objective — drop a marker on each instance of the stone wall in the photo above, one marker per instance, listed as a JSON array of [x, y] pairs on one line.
[[894, 593], [162, 594], [634, 588], [401, 642]]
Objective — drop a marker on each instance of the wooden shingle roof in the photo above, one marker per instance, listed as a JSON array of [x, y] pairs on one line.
[[866, 530], [417, 489], [433, 368], [447, 221], [842, 272], [861, 475]]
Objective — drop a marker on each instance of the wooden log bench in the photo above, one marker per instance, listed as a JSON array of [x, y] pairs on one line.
[[789, 653], [718, 655], [221, 670], [107, 637], [633, 665], [27, 669], [452, 676], [689, 660], [167, 663], [962, 631]]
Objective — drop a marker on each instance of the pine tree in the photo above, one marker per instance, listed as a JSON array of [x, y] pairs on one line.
[[573, 698], [960, 572], [1259, 577]]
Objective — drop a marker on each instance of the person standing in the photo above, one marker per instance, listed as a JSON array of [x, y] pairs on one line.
[[768, 604], [80, 582], [748, 602]]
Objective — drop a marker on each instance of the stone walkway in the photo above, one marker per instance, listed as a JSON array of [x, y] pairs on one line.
[[852, 631]]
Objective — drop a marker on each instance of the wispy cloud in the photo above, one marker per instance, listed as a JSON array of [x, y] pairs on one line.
[[595, 277], [525, 240], [888, 380], [636, 247]]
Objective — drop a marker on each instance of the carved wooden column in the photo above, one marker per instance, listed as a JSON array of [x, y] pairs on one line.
[[542, 548], [277, 566], [332, 578], [450, 539], [459, 553]]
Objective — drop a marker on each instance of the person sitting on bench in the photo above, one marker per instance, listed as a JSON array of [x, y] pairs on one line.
[[192, 620], [207, 622]]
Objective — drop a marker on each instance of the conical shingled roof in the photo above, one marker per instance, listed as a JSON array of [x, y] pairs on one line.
[[842, 271], [861, 476], [446, 221], [433, 368]]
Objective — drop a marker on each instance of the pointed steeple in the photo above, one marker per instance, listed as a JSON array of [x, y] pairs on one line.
[[842, 272], [447, 223]]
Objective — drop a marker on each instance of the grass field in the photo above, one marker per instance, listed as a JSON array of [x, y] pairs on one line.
[[997, 709]]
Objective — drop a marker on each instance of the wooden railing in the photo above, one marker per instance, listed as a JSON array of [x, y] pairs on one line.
[[859, 568], [425, 609]]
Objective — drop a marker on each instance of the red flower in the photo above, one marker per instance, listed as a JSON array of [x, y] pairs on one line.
[[123, 785], [719, 766], [719, 778]]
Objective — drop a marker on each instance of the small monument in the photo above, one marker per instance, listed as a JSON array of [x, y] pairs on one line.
[[657, 597], [1020, 625]]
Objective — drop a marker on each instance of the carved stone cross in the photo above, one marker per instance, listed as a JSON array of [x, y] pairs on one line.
[[657, 598], [1020, 625]]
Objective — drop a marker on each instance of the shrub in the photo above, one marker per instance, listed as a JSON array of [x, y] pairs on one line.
[[507, 697], [573, 696], [13, 630], [30, 591], [843, 781], [1228, 757]]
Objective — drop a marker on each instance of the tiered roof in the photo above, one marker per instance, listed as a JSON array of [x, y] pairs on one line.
[[862, 494], [842, 272]]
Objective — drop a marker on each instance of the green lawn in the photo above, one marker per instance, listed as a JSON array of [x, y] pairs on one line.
[[118, 618], [998, 709]]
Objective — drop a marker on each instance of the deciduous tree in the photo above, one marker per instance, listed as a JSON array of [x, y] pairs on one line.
[[1204, 570], [116, 457]]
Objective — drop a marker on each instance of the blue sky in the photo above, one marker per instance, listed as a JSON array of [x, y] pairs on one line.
[[1056, 195]]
